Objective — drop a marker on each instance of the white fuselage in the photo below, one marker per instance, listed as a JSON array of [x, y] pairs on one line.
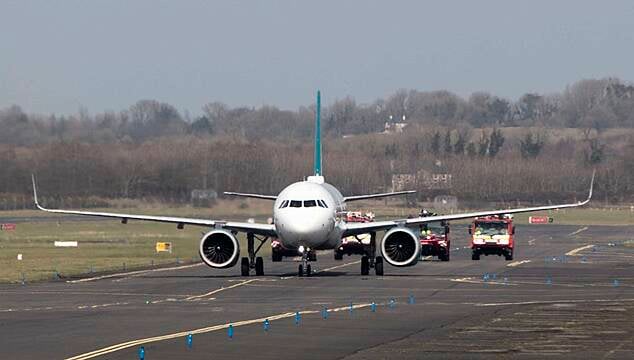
[[305, 215]]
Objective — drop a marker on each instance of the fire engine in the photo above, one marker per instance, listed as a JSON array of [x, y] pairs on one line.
[[492, 235], [359, 244], [434, 240]]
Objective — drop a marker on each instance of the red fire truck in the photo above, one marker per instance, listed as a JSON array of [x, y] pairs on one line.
[[492, 235], [358, 244], [434, 240]]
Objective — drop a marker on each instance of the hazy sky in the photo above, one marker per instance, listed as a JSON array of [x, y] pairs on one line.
[[56, 56]]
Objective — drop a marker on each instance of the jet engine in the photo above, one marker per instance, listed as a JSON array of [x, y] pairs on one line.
[[400, 247], [219, 249]]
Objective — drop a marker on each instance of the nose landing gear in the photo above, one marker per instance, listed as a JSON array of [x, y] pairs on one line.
[[304, 268], [253, 262]]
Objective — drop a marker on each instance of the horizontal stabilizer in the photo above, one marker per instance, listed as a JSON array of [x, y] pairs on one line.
[[373, 196]]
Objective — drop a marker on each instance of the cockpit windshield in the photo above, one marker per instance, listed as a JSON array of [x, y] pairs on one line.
[[303, 203], [491, 228]]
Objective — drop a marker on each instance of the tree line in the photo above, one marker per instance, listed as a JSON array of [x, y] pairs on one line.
[[588, 104], [494, 149]]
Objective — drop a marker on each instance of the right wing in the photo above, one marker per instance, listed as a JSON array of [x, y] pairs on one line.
[[255, 196], [361, 228], [259, 229]]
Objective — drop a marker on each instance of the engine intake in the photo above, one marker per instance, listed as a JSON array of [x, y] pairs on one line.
[[400, 247], [219, 249]]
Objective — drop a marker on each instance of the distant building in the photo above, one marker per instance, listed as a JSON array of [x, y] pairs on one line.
[[391, 128], [423, 179]]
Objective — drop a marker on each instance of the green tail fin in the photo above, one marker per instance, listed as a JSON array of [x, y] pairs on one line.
[[317, 167]]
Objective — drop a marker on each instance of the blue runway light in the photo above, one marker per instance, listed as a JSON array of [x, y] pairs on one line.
[[549, 280], [298, 318], [141, 353], [267, 325], [230, 331], [324, 313], [392, 303], [373, 306], [615, 283], [189, 340], [411, 300], [351, 308]]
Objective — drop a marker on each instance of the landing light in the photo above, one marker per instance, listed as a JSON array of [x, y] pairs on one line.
[[301, 249]]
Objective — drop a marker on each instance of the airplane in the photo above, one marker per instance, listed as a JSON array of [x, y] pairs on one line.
[[306, 219]]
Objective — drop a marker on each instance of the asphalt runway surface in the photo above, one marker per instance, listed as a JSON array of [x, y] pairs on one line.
[[542, 304]]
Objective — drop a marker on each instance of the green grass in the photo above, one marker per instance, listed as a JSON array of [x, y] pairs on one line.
[[104, 246], [107, 245]]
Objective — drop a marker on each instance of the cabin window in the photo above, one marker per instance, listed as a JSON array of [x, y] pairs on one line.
[[310, 203], [283, 204], [296, 203]]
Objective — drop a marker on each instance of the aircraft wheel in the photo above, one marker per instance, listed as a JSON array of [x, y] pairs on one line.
[[475, 255], [365, 265], [509, 256], [378, 266], [338, 255], [309, 270], [300, 270], [259, 266], [244, 266]]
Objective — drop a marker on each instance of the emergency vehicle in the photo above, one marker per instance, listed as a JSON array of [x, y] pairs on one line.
[[492, 235], [358, 244], [434, 240]]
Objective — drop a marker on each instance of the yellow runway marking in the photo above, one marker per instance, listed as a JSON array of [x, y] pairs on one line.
[[340, 266], [131, 273], [578, 231], [198, 297], [128, 344], [575, 251], [517, 263]]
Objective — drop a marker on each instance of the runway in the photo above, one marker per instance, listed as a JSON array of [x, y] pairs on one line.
[[543, 303]]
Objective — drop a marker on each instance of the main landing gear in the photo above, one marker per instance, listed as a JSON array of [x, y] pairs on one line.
[[253, 262], [370, 260]]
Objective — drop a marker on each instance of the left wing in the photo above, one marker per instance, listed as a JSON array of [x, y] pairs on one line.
[[372, 196], [361, 228], [259, 229]]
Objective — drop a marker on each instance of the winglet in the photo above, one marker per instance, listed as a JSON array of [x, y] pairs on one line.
[[35, 193], [591, 186]]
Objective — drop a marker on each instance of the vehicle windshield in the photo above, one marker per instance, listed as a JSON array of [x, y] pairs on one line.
[[435, 228], [491, 228]]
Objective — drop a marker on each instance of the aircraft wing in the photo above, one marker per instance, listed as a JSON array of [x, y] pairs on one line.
[[372, 196], [360, 228], [259, 229], [255, 196]]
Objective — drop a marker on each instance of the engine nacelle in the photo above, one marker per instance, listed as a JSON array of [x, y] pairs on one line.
[[400, 247], [219, 249]]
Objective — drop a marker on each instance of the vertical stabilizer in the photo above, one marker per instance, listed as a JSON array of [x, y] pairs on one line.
[[317, 168]]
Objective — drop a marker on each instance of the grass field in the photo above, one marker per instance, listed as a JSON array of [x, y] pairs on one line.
[[107, 245]]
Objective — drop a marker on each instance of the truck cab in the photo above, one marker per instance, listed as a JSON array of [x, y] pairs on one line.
[[492, 235]]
